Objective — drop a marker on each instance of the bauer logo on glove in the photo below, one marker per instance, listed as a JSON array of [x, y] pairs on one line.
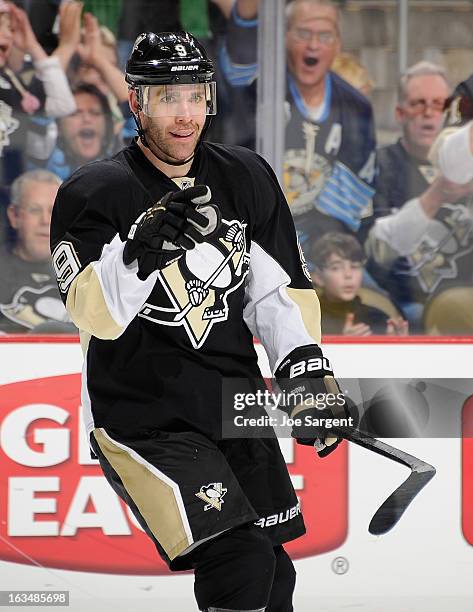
[[305, 375]]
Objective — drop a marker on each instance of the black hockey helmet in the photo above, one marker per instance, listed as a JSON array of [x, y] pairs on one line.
[[168, 57]]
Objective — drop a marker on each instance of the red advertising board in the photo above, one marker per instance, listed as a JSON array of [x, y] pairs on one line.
[[59, 511], [467, 470]]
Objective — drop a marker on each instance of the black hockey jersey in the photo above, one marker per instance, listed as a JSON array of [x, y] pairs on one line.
[[330, 159], [329, 164], [157, 350], [401, 177]]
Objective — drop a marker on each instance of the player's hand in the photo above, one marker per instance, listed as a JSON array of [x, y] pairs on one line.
[[350, 328], [307, 378], [179, 221]]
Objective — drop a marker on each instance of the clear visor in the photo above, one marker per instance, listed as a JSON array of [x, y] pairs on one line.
[[196, 99]]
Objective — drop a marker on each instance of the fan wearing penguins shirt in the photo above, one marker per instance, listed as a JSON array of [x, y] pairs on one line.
[[29, 298], [170, 257], [329, 159]]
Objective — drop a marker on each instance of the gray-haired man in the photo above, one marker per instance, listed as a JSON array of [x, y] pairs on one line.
[[420, 243], [28, 292]]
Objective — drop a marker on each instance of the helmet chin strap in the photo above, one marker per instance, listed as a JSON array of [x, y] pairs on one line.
[[142, 137]]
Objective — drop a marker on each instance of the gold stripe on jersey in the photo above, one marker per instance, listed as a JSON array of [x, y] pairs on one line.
[[309, 306], [87, 306], [154, 498]]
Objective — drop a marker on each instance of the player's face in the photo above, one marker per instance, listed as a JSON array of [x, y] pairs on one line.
[[178, 117], [31, 219], [84, 130], [312, 42], [421, 112], [340, 278], [6, 37]]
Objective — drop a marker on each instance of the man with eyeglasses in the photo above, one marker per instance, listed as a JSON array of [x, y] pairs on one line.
[[28, 293], [422, 240], [329, 163]]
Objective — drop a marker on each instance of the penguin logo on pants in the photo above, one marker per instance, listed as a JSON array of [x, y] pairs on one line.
[[213, 495]]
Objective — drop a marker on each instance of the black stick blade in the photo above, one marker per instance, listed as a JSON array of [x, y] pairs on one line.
[[390, 511]]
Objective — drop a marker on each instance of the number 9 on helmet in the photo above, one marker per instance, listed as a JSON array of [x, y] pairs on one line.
[[172, 75]]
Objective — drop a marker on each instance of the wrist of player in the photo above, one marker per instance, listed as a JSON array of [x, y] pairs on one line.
[[313, 397]]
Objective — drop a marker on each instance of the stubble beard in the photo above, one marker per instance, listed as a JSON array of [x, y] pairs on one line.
[[161, 147]]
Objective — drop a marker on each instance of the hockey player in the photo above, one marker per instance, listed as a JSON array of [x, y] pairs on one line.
[[169, 257]]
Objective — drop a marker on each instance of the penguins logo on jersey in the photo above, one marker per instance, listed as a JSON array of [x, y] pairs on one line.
[[449, 237], [305, 172], [212, 494], [199, 282], [8, 125], [31, 306]]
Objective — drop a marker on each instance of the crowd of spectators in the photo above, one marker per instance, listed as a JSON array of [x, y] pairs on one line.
[[385, 234], [413, 226]]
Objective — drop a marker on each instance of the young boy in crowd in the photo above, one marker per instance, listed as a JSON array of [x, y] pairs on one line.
[[339, 263]]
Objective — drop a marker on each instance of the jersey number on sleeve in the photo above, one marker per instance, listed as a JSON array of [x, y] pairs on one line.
[[66, 265]]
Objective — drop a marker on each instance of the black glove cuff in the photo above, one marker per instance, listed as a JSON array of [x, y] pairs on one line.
[[306, 362], [302, 376]]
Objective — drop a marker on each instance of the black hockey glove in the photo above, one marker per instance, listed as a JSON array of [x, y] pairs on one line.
[[313, 398], [176, 223]]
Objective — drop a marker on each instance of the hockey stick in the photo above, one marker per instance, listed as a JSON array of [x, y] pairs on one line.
[[391, 510]]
